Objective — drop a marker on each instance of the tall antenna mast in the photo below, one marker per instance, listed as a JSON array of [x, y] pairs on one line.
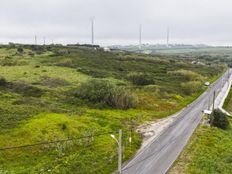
[[44, 39], [168, 35], [92, 31], [140, 36], [35, 40]]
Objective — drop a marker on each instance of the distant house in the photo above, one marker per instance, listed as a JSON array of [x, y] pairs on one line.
[[106, 49], [84, 46], [198, 63]]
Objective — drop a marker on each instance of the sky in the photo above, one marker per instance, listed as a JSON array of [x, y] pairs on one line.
[[116, 21]]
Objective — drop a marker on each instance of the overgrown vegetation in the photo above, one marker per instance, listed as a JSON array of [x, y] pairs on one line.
[[140, 78], [219, 119], [104, 92], [2, 81], [48, 93], [208, 152]]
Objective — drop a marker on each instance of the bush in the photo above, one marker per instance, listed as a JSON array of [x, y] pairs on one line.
[[25, 89], [140, 78], [20, 50], [187, 75], [3, 81], [59, 53], [101, 91], [65, 63], [121, 98], [219, 119], [32, 54], [191, 87], [94, 91], [38, 49]]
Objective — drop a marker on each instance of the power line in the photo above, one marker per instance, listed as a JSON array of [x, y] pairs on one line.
[[54, 142]]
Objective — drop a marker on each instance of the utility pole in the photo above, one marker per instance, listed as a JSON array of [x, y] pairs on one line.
[[120, 152], [119, 142], [209, 104], [214, 94], [92, 31], [140, 37], [168, 35]]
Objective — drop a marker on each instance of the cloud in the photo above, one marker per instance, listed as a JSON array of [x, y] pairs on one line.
[[117, 21]]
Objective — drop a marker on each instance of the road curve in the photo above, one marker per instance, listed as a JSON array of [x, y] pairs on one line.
[[158, 156]]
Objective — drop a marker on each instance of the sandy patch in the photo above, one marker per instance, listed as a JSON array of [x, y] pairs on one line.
[[151, 130]]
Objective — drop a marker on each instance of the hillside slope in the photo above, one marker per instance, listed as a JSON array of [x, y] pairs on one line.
[[60, 93]]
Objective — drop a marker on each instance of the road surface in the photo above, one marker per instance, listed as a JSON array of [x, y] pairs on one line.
[[158, 156]]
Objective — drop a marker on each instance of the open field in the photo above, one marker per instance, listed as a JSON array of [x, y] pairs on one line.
[[192, 53], [44, 96]]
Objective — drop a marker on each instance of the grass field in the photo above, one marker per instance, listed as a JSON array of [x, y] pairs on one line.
[[209, 151], [38, 104], [199, 54]]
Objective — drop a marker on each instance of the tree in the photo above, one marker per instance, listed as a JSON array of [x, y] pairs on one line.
[[20, 50], [2, 81], [219, 119]]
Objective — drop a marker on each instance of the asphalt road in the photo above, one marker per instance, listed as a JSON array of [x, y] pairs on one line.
[[158, 156]]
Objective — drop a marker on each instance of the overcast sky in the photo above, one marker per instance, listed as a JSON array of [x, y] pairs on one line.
[[117, 21]]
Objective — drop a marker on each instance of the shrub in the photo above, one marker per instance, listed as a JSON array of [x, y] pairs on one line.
[[3, 81], [53, 82], [140, 78], [219, 119], [187, 75], [25, 89], [94, 91], [32, 54], [101, 91], [121, 98], [65, 63], [59, 53], [20, 50], [191, 87], [37, 49]]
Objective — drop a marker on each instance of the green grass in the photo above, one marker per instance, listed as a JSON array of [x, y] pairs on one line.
[[228, 102], [32, 74], [26, 118], [208, 152]]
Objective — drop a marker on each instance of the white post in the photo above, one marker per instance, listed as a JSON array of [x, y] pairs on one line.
[[120, 152]]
